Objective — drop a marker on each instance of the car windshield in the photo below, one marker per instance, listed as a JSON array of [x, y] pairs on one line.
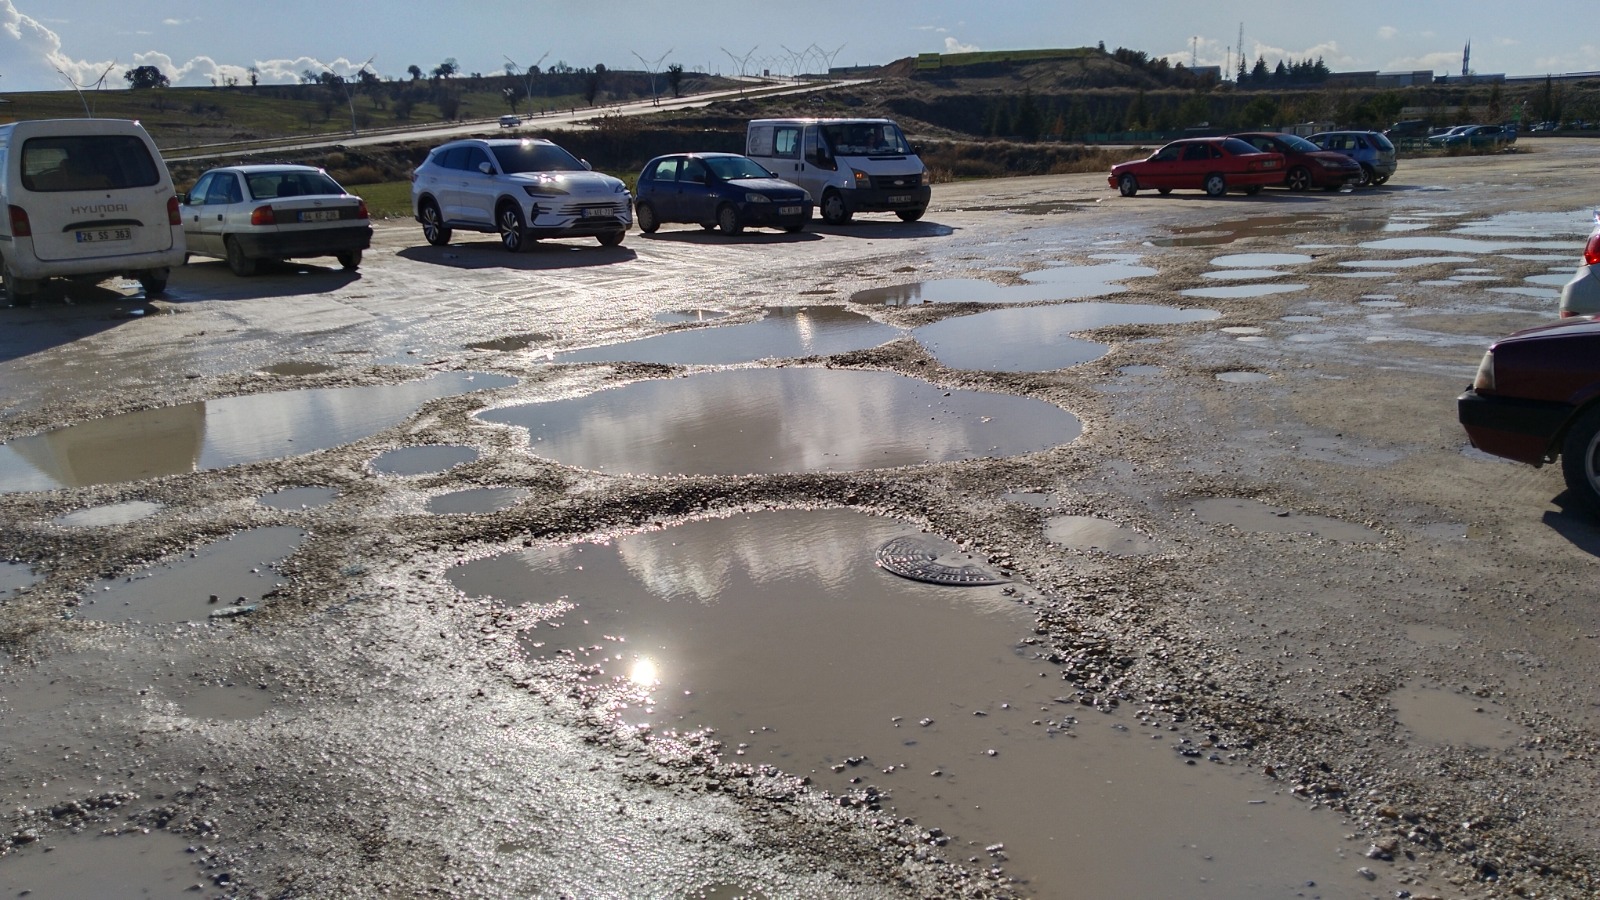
[[272, 185], [729, 168], [528, 156], [1298, 144], [865, 138]]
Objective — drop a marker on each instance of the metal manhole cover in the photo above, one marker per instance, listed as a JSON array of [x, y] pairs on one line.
[[921, 559]]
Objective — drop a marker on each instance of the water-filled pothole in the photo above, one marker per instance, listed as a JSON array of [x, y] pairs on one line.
[[1437, 716], [1054, 284], [680, 316], [224, 578], [1090, 533], [213, 434], [1260, 260], [422, 460], [508, 344], [785, 332], [476, 501], [14, 577], [1034, 338], [1243, 377], [1035, 499], [752, 421], [110, 514], [1226, 232], [1410, 262], [1255, 516], [1459, 245], [778, 630], [134, 863], [298, 498], [1232, 291]]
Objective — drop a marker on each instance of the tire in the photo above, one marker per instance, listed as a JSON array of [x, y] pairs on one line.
[[508, 219], [610, 238], [14, 292], [1128, 185], [728, 219], [1252, 190], [1299, 179], [911, 215], [154, 281], [350, 261], [834, 212], [1216, 185], [1366, 176], [1580, 458], [433, 227], [242, 266], [645, 215], [1379, 179], [796, 227], [1163, 191]]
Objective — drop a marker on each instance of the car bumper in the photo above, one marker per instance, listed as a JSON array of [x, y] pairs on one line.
[[299, 245], [1511, 427], [767, 214], [1581, 295], [570, 219], [878, 200], [24, 265]]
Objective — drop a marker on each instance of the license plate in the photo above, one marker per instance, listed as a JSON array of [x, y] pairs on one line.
[[1270, 164], [319, 215], [105, 235], [596, 212], [789, 210], [899, 198]]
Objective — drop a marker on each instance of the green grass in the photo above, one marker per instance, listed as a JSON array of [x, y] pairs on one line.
[[390, 200]]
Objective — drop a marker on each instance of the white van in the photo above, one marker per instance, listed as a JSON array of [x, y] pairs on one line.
[[846, 165], [85, 198]]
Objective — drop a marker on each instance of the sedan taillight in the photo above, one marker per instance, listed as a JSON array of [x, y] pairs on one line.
[[361, 210], [263, 215], [20, 226], [1591, 250]]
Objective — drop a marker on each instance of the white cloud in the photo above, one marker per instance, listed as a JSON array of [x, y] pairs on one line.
[[951, 45], [1387, 33], [32, 58], [1327, 51], [1446, 62]]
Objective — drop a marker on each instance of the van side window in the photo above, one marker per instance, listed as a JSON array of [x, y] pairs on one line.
[[786, 141], [760, 141], [87, 162]]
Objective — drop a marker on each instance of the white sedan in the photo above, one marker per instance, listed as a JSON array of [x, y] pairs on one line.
[[246, 214]]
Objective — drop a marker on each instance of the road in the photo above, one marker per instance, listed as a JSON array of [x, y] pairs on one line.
[[1275, 622]]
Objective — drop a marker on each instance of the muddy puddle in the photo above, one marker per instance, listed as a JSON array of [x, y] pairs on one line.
[[754, 421], [1057, 283], [14, 577], [1226, 232], [1436, 715], [225, 578], [785, 332], [1035, 338], [1235, 291], [298, 498], [213, 434], [1576, 222], [65, 866], [1260, 260], [1410, 262], [779, 631], [422, 460], [1421, 243], [1257, 517], [110, 514], [476, 501], [1243, 377], [1090, 533]]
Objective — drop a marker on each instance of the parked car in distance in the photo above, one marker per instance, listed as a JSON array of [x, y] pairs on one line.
[[1475, 136], [84, 199], [717, 190], [1373, 151], [1536, 398], [522, 189], [248, 214], [1408, 128], [1215, 165], [1581, 295], [1305, 164]]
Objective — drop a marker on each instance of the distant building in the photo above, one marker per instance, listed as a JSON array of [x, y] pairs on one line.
[[1351, 79], [1404, 79]]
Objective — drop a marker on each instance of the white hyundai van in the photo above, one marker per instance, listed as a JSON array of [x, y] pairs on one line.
[[846, 165], [85, 199]]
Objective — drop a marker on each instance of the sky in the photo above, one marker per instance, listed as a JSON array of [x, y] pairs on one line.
[[59, 44]]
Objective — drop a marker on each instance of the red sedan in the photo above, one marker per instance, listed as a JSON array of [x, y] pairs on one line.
[[1307, 165], [1215, 165]]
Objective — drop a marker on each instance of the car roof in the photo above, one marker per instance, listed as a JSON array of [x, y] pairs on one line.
[[703, 154], [256, 168]]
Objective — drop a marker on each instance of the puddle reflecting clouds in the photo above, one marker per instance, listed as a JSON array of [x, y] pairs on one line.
[[783, 420], [422, 460], [785, 332], [778, 630], [213, 582], [213, 434], [476, 500], [1227, 291], [1052, 284], [1034, 338]]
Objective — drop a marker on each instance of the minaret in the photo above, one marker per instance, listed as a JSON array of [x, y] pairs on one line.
[[1466, 57]]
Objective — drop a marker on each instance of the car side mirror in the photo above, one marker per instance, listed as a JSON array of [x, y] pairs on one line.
[[586, 164], [485, 168]]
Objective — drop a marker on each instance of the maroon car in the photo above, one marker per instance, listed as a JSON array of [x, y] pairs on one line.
[[1305, 164], [1537, 397], [1215, 165]]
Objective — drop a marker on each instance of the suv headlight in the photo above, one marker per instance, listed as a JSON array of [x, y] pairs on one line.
[[1485, 379], [543, 190]]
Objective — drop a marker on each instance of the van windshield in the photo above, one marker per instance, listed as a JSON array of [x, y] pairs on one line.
[[866, 139], [87, 162]]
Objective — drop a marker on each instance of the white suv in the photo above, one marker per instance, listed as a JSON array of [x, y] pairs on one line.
[[522, 189]]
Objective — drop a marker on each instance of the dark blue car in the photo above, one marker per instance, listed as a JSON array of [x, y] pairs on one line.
[[717, 190]]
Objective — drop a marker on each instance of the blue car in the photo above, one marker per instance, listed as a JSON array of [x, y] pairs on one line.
[[725, 191], [1372, 150]]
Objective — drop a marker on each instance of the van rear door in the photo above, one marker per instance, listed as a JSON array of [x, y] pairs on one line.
[[93, 195]]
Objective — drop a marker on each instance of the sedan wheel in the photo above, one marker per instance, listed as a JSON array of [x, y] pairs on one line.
[[1379, 179], [1128, 185], [1366, 175], [645, 215], [1580, 458], [433, 227], [242, 266], [728, 220], [1216, 185], [509, 220], [1299, 179]]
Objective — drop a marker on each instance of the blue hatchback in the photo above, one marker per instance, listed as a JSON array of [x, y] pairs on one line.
[[717, 190]]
